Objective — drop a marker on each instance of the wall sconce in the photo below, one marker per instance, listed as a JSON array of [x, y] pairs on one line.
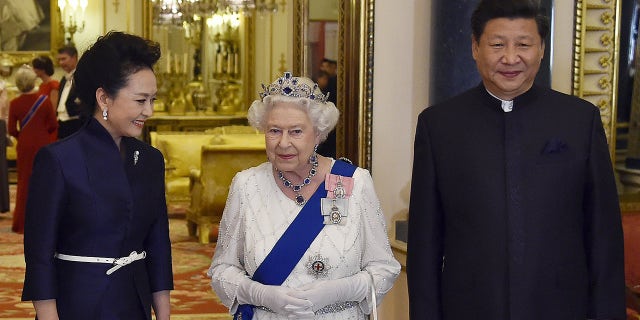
[[72, 17], [6, 67]]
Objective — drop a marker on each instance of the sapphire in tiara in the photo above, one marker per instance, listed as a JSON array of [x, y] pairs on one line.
[[290, 86]]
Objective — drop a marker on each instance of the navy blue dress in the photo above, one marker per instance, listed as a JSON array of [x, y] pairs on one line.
[[87, 198]]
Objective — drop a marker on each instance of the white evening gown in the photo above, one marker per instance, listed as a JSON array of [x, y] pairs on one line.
[[257, 213]]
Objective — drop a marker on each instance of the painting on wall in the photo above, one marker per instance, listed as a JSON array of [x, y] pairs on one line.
[[26, 25]]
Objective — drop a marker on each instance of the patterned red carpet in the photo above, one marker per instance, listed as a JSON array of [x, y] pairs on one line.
[[192, 298]]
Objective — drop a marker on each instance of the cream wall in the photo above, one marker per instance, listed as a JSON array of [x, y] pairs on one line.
[[400, 92]]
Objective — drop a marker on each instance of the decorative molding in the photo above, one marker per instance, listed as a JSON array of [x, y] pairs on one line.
[[596, 56], [300, 28], [368, 106]]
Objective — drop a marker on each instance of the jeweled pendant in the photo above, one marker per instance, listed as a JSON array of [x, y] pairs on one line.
[[335, 216], [339, 191], [300, 200]]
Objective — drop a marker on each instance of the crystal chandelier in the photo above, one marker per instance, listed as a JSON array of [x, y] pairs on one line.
[[179, 11]]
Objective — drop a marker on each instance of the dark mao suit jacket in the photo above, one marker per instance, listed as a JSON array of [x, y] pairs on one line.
[[514, 215], [86, 198]]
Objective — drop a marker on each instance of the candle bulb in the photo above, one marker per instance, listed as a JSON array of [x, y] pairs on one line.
[[229, 63], [177, 62], [236, 64], [219, 61], [186, 60]]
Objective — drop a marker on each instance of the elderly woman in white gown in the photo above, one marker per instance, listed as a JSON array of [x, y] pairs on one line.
[[302, 236]]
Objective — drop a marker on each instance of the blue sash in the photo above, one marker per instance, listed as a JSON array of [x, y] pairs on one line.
[[295, 241], [32, 111]]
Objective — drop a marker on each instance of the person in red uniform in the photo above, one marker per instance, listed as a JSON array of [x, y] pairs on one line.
[[32, 121]]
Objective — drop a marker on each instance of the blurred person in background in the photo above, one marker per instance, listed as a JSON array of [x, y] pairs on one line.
[[4, 141], [32, 122], [68, 107], [43, 66]]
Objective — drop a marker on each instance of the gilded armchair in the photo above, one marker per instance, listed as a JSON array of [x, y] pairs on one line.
[[232, 150]]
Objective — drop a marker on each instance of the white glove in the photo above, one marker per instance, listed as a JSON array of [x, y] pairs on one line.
[[277, 298], [326, 292]]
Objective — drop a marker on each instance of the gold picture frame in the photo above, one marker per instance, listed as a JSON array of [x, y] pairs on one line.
[[596, 58], [56, 40]]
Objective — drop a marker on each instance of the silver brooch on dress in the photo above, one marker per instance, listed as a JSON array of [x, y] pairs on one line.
[[334, 211], [136, 154], [339, 191], [318, 266]]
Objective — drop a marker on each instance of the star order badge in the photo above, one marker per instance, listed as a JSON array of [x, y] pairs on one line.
[[318, 266]]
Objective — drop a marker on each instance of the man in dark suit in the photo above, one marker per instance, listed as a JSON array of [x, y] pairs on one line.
[[514, 212], [68, 108]]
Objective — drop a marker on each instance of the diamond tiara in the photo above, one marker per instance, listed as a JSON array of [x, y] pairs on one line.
[[290, 86]]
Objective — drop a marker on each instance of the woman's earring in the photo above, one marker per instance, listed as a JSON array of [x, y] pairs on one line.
[[104, 114], [314, 156]]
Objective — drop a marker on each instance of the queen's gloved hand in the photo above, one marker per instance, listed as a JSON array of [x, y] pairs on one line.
[[326, 292], [277, 298]]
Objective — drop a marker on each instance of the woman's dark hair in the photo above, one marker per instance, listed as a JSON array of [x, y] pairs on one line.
[[109, 62], [43, 63], [511, 9]]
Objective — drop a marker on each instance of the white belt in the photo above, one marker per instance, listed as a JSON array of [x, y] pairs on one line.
[[116, 262]]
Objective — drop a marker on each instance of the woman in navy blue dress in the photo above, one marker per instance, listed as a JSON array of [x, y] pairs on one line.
[[97, 235]]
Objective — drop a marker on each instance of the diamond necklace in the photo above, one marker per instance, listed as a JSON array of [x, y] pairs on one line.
[[300, 200]]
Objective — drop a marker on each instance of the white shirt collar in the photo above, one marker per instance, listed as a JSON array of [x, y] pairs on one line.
[[69, 75], [507, 105]]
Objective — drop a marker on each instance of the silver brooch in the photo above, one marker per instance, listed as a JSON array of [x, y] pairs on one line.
[[318, 266], [339, 191], [135, 157], [334, 210], [334, 215]]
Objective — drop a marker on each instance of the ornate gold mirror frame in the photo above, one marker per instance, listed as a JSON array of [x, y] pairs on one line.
[[595, 74], [56, 39], [355, 73], [596, 57]]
